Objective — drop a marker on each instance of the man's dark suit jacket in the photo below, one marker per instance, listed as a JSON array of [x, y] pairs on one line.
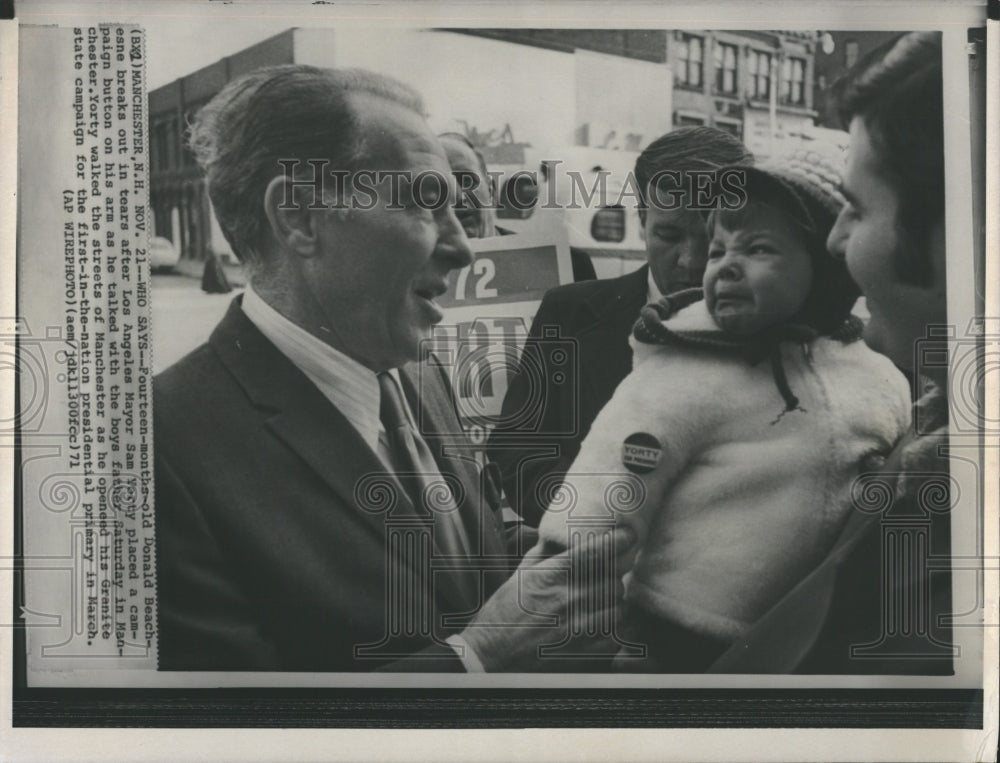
[[270, 555], [576, 354]]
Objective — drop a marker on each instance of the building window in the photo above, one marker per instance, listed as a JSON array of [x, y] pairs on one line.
[[689, 60], [163, 136], [733, 128], [760, 74], [725, 68], [156, 151], [689, 120], [171, 141], [850, 53], [793, 77]]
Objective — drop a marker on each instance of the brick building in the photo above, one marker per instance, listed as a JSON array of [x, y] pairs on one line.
[[731, 80], [512, 89]]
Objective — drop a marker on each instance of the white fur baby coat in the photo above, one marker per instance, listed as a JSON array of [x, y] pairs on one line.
[[742, 500]]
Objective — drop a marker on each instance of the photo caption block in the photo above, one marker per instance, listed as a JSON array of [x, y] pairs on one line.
[[84, 325]]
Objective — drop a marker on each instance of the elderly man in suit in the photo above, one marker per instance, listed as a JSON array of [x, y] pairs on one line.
[[544, 420], [317, 506]]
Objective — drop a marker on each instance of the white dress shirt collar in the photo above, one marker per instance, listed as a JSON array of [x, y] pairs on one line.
[[349, 385], [653, 293]]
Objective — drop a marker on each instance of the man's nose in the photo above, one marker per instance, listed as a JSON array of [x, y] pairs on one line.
[[453, 243], [836, 242], [692, 258]]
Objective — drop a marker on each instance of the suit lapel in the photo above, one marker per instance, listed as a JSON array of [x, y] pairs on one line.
[[298, 414], [302, 417], [628, 291], [614, 314]]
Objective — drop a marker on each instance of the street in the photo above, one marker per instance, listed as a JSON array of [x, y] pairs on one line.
[[183, 316]]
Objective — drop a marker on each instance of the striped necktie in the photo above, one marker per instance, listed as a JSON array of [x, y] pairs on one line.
[[419, 473]]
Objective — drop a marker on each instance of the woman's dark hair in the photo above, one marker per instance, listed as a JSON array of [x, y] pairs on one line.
[[896, 91]]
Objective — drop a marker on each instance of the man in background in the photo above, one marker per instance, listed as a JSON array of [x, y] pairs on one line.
[[476, 206], [476, 209], [579, 337]]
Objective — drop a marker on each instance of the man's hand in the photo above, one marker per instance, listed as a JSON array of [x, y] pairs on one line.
[[556, 607]]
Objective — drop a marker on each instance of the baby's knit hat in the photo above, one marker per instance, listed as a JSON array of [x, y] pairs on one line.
[[804, 185]]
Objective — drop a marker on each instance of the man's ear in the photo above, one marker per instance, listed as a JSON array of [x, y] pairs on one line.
[[642, 223], [293, 222]]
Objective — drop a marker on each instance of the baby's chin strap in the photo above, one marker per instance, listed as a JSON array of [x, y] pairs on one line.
[[768, 344], [847, 332], [765, 345], [781, 382]]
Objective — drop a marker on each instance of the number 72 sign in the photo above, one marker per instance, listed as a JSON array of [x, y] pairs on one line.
[[508, 270], [484, 270]]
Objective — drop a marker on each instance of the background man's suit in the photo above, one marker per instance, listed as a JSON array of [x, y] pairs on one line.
[[265, 560], [597, 318]]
